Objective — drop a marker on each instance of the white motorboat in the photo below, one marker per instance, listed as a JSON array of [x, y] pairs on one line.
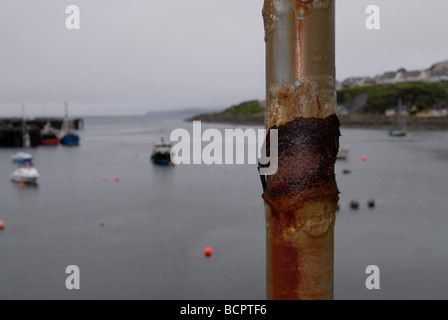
[[25, 175]]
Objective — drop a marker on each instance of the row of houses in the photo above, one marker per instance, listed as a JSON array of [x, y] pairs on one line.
[[437, 73], [401, 76]]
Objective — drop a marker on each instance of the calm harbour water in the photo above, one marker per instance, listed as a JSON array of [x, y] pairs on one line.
[[158, 220]]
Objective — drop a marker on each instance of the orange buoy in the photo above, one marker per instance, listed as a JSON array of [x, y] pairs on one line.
[[208, 252], [2, 225], [364, 159], [22, 185]]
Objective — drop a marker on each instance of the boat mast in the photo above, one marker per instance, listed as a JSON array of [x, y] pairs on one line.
[[24, 136], [67, 126], [400, 115], [66, 116]]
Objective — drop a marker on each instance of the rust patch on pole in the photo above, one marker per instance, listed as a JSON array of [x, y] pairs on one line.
[[307, 150], [301, 198]]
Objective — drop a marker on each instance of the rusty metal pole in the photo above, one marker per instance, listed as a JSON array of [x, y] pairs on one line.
[[301, 198]]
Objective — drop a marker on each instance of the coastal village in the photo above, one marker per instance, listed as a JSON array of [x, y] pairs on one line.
[[419, 98], [438, 73]]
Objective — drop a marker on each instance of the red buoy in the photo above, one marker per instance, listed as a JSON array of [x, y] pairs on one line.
[[104, 179], [208, 252], [117, 179], [22, 185], [2, 225], [364, 159], [382, 149]]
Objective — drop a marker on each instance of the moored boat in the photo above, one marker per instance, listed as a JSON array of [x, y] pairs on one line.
[[49, 140], [25, 175], [397, 133], [49, 136], [342, 155], [68, 137], [400, 128], [21, 157], [162, 154]]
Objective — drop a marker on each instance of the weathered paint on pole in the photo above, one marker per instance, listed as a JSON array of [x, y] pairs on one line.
[[301, 198]]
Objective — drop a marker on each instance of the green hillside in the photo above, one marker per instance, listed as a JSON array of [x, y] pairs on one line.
[[252, 107], [379, 98], [383, 97], [246, 112]]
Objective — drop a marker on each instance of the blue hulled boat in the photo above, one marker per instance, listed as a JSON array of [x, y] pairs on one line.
[[70, 139], [21, 157]]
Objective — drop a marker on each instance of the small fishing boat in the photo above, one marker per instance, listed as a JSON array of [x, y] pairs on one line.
[[68, 137], [25, 175], [21, 157], [397, 133], [162, 154], [49, 139], [342, 155], [400, 127], [49, 136]]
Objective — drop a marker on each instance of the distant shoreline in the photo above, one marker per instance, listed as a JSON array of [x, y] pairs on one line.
[[355, 122]]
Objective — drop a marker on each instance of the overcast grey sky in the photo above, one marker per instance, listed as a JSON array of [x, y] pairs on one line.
[[134, 56]]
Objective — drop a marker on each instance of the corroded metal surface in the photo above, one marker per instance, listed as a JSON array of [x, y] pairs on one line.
[[311, 97], [307, 150], [301, 198], [269, 18], [300, 59], [300, 252]]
